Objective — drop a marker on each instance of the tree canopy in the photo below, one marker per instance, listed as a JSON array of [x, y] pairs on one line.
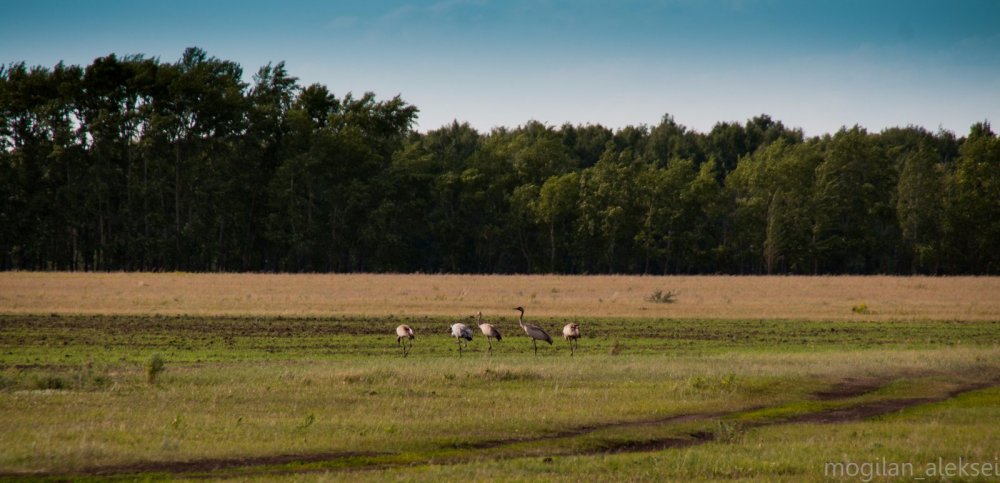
[[133, 163]]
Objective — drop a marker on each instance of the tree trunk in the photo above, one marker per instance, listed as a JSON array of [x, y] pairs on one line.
[[552, 247]]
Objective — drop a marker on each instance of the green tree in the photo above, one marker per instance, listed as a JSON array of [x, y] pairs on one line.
[[972, 227], [670, 140], [665, 234], [854, 225], [772, 213], [609, 210], [920, 207], [556, 208]]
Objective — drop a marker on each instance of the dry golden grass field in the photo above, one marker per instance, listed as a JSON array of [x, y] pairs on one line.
[[719, 297]]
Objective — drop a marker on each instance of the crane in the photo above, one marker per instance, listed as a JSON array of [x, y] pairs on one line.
[[535, 332], [571, 333], [404, 332], [460, 331], [488, 330]]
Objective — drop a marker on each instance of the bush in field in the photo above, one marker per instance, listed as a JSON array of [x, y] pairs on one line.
[[616, 348], [728, 432], [6, 382], [154, 366], [661, 297], [50, 382]]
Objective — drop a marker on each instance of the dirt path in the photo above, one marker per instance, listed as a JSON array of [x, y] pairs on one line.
[[850, 387], [271, 464], [220, 464]]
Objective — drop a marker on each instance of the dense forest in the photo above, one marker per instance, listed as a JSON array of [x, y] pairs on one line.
[[132, 163]]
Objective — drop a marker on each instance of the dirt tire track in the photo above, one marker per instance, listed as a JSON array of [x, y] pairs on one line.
[[845, 390], [582, 430], [198, 466], [879, 408], [850, 387], [848, 414]]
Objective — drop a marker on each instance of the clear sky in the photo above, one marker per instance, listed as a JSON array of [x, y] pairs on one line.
[[814, 64]]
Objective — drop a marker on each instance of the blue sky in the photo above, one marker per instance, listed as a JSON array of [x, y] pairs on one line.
[[812, 64]]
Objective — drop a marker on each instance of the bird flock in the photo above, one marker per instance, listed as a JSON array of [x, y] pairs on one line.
[[463, 334]]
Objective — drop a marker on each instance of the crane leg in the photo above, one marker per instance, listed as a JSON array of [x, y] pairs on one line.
[[535, 343], [490, 342]]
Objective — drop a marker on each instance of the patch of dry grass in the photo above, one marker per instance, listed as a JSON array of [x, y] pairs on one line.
[[723, 297]]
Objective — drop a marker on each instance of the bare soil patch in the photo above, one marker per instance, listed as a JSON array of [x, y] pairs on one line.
[[849, 388], [878, 408], [203, 465]]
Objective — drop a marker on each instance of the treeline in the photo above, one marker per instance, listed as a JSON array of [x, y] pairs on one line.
[[137, 164]]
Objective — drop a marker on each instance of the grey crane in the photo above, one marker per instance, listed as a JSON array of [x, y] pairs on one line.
[[571, 333], [460, 332], [535, 332], [488, 330], [404, 332]]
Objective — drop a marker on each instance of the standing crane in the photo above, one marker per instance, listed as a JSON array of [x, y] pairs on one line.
[[535, 332], [460, 332], [488, 330], [404, 332], [571, 333]]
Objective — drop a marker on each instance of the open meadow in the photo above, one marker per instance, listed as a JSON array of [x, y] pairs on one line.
[[299, 377]]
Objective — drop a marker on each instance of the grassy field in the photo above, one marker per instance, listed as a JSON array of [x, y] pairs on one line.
[[291, 393]]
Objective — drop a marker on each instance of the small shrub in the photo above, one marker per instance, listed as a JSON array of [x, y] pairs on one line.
[[100, 382], [698, 383], [728, 432], [661, 297], [154, 367], [616, 348], [363, 377], [726, 383], [50, 382], [503, 374], [87, 378], [861, 308], [308, 421]]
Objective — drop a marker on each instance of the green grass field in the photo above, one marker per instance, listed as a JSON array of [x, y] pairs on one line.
[[642, 399]]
